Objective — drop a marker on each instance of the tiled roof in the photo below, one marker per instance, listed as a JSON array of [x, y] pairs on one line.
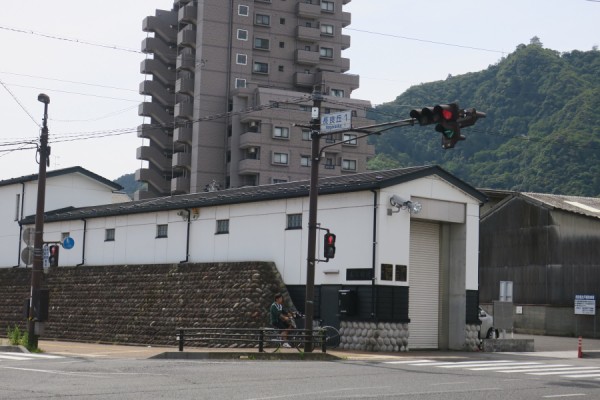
[[59, 172], [338, 184]]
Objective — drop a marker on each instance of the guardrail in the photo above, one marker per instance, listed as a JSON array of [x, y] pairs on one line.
[[260, 337]]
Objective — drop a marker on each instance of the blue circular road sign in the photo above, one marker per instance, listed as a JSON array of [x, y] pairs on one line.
[[68, 243]]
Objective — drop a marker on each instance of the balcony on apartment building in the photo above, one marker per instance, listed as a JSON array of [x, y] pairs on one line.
[[158, 92], [159, 136], [158, 70], [160, 49], [155, 156], [184, 110], [308, 34], [162, 28], [332, 79], [250, 139], [344, 64], [187, 37], [188, 14], [303, 79], [185, 85], [307, 57], [156, 181], [182, 160], [157, 112], [180, 185], [183, 134], [306, 10], [345, 42], [249, 166], [346, 19]]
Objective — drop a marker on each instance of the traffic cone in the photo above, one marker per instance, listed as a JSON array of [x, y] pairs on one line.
[[579, 349]]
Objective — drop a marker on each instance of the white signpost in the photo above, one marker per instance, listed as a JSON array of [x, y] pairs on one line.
[[585, 304], [336, 122]]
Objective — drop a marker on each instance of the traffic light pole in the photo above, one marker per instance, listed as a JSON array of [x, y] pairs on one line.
[[38, 260], [426, 116], [311, 259]]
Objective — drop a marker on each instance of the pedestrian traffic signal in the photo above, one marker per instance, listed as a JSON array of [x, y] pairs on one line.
[[53, 256], [449, 119], [329, 247]]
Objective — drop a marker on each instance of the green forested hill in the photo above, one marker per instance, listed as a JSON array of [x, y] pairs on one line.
[[542, 131]]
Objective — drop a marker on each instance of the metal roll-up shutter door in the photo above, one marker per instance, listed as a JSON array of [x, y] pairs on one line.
[[424, 281]]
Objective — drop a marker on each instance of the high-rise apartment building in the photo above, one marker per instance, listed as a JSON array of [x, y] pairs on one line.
[[228, 81]]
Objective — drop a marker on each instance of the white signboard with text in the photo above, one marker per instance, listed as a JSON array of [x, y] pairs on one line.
[[585, 304], [336, 121]]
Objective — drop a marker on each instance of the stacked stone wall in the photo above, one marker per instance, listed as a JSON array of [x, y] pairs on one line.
[[374, 336], [144, 304]]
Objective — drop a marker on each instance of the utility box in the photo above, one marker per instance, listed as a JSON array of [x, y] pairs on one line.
[[347, 302]]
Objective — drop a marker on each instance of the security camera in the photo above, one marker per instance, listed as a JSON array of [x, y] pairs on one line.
[[397, 201]]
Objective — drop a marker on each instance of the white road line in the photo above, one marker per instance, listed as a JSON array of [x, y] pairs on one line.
[[457, 364], [408, 361], [26, 356], [540, 368], [563, 372], [17, 358], [490, 365], [554, 396], [506, 367], [583, 375]]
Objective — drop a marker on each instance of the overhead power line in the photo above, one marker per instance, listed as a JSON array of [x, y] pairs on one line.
[[425, 40], [78, 41], [20, 104]]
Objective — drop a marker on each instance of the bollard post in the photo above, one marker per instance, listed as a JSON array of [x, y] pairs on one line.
[[261, 339], [579, 349], [180, 340]]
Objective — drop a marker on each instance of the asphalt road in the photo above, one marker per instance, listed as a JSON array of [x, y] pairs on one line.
[[416, 375]]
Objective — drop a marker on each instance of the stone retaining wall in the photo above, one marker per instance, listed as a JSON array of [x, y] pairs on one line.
[[390, 337], [144, 303]]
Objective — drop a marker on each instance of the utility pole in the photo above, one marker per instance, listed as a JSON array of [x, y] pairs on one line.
[[38, 260], [311, 259]]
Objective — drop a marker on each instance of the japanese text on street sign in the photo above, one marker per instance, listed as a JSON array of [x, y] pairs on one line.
[[585, 304], [336, 121]]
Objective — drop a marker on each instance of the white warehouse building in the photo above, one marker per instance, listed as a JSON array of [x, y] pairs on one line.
[[414, 273]]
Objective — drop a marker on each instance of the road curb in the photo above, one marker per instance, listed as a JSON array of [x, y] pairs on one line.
[[195, 355]]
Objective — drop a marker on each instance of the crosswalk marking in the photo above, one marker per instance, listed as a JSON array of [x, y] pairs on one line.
[[509, 366], [586, 370], [26, 356]]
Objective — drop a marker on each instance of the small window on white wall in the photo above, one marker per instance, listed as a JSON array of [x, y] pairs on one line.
[[109, 235], [162, 231]]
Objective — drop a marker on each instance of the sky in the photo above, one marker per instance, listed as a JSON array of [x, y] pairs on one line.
[[85, 55]]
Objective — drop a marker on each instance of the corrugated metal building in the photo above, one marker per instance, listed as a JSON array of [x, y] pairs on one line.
[[548, 246]]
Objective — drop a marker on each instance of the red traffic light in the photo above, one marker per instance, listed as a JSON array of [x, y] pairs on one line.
[[53, 255], [329, 245]]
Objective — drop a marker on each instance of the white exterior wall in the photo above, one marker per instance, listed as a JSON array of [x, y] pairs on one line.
[[257, 232], [74, 189], [394, 230]]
